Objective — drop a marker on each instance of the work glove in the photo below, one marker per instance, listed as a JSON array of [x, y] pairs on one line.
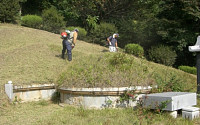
[[110, 43], [73, 45]]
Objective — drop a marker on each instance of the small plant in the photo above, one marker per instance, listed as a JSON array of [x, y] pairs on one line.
[[16, 100], [43, 103], [159, 107], [82, 112], [128, 95], [109, 103], [134, 49], [56, 97]]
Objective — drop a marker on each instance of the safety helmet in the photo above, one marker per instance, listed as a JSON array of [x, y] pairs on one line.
[[64, 34]]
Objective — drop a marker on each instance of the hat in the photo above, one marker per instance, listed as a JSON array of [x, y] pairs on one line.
[[76, 30], [116, 34]]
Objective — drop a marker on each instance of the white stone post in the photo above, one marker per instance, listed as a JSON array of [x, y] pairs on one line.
[[9, 90]]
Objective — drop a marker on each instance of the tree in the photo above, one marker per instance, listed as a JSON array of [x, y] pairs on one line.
[[52, 20], [9, 10], [141, 26], [179, 26], [162, 54]]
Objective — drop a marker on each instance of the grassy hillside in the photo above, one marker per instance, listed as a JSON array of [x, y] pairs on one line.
[[30, 56]]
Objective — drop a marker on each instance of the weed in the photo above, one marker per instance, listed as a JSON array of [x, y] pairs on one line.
[[82, 112], [16, 100], [128, 95], [109, 103], [56, 97], [171, 82]]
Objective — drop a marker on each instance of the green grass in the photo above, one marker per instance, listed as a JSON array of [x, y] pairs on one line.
[[46, 113]]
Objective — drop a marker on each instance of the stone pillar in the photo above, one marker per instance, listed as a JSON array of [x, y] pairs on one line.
[[9, 90], [198, 72]]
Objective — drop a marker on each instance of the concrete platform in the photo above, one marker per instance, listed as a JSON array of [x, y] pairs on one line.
[[100, 97], [169, 101]]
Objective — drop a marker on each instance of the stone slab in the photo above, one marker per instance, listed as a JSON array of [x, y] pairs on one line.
[[170, 101], [190, 109]]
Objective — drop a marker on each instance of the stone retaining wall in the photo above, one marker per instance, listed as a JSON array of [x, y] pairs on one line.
[[27, 93]]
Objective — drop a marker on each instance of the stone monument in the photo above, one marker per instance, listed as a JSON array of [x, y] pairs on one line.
[[196, 48]]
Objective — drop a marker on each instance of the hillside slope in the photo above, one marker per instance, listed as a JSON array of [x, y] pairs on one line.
[[30, 56]]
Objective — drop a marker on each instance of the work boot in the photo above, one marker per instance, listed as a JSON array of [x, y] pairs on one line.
[[69, 57], [63, 56]]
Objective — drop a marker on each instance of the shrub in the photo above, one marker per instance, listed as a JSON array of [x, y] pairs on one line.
[[188, 69], [134, 49], [52, 20], [81, 34], [101, 32], [163, 55], [32, 21], [120, 59]]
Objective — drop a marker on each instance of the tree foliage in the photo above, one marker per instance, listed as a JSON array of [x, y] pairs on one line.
[[174, 23], [52, 20], [163, 55], [102, 32], [9, 10]]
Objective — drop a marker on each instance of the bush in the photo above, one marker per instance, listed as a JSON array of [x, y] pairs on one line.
[[163, 55], [32, 21], [188, 69], [52, 20], [134, 49], [102, 32], [121, 59], [81, 34]]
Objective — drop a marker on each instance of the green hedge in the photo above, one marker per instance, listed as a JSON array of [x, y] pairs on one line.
[[32, 21], [188, 69], [81, 34], [134, 49]]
